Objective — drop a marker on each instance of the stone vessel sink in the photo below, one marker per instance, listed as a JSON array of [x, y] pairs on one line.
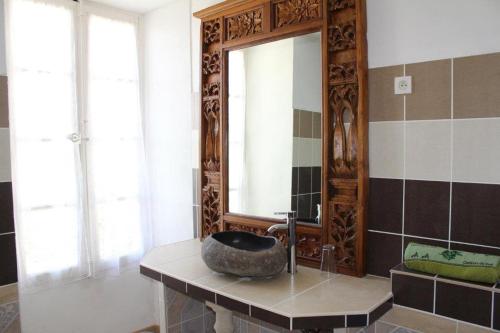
[[244, 254]]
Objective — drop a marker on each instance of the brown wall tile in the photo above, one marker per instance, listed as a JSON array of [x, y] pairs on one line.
[[476, 86], [427, 207], [413, 292], [384, 105], [385, 205], [431, 97], [476, 214], [383, 253], [4, 102], [6, 208], [496, 318], [467, 304], [8, 262]]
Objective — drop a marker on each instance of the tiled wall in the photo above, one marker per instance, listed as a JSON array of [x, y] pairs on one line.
[[306, 171], [8, 266], [434, 159]]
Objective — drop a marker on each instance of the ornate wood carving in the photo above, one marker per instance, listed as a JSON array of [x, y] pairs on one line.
[[309, 246], [288, 12], [343, 73], [344, 104], [239, 24], [342, 36], [335, 5], [243, 25], [211, 31], [211, 211], [211, 111], [211, 91], [211, 63]]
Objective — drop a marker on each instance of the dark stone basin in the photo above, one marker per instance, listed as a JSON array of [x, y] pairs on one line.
[[244, 254]]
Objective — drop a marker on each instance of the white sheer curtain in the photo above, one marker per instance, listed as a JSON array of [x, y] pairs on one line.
[[77, 148]]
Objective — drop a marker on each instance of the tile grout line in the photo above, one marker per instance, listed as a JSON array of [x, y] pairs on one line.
[[493, 307], [430, 238], [8, 233], [452, 133], [404, 175], [434, 296]]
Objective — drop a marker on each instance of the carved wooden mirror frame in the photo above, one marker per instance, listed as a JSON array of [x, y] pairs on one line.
[[241, 23]]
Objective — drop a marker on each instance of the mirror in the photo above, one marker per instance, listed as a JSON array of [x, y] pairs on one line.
[[274, 128]]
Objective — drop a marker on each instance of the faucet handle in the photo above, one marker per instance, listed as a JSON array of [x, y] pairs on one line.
[[289, 215]]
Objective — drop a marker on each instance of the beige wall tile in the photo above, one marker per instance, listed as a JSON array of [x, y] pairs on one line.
[[431, 97], [386, 149], [296, 123], [316, 134], [477, 86], [384, 105], [4, 102], [476, 150], [418, 321], [428, 150], [305, 128]]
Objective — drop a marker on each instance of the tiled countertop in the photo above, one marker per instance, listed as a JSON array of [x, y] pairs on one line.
[[308, 300]]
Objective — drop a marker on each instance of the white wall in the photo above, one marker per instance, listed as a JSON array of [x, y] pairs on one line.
[[269, 127], [407, 31], [307, 79], [168, 121], [3, 64]]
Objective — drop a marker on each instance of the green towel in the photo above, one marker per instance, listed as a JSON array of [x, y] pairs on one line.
[[451, 263]]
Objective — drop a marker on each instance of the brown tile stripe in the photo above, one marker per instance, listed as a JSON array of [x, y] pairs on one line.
[[476, 86], [462, 300], [431, 96], [325, 323], [306, 124], [383, 104]]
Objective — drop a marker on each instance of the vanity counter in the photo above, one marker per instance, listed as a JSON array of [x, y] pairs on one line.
[[308, 300]]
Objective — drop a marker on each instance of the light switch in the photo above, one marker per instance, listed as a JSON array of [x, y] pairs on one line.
[[402, 85]]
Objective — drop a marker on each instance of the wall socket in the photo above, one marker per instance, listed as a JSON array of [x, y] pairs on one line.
[[402, 85]]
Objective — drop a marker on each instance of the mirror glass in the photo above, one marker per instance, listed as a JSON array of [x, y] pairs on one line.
[[274, 134]]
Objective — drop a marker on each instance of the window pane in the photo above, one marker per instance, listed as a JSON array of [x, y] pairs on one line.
[[47, 174], [115, 152]]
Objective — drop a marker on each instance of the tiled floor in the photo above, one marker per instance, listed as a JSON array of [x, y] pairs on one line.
[[9, 310]]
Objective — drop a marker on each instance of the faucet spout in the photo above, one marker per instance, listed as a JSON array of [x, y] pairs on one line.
[[290, 226], [272, 229]]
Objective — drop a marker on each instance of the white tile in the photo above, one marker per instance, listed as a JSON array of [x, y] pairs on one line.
[[5, 175], [476, 150], [428, 150], [386, 149]]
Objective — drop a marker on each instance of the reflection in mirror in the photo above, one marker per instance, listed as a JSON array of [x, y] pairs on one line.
[[274, 135]]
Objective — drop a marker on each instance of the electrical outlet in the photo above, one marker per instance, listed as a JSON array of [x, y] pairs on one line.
[[402, 85]]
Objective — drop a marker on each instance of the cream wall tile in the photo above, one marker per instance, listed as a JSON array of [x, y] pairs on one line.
[[5, 175], [386, 149], [476, 150], [306, 152], [428, 150]]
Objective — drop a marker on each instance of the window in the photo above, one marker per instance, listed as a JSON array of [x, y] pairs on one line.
[[77, 144]]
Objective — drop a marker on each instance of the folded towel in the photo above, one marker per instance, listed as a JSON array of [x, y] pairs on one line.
[[451, 263]]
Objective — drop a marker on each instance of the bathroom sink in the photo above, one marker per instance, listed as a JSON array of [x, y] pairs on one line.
[[244, 254]]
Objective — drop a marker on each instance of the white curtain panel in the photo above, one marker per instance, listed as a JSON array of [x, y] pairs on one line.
[[79, 178]]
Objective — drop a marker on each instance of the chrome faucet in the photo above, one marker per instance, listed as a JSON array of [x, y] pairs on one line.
[[290, 226]]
